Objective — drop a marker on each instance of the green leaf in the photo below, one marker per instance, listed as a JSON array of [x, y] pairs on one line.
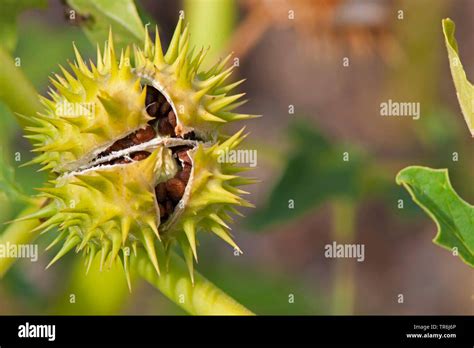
[[10, 9], [120, 15], [454, 217], [314, 173], [464, 89]]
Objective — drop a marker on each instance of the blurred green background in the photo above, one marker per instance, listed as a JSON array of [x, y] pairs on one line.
[[333, 63]]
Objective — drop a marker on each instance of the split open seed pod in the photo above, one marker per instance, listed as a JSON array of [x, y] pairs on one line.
[[133, 147]]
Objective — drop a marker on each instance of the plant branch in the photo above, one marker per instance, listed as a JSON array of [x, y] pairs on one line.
[[18, 232], [200, 298], [16, 91]]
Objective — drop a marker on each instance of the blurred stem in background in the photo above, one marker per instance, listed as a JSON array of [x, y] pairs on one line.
[[416, 77], [18, 232], [211, 23], [16, 90], [343, 224]]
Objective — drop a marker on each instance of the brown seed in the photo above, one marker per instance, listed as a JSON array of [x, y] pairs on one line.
[[152, 95], [183, 175], [140, 155], [176, 149], [162, 210], [123, 143], [114, 147], [164, 108], [120, 160], [172, 118], [183, 156], [164, 127], [169, 207], [160, 191], [153, 101], [175, 189], [161, 99], [152, 109], [143, 135]]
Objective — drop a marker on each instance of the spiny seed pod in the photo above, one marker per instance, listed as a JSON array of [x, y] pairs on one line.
[[133, 151]]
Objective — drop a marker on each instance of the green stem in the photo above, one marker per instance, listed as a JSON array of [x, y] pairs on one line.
[[218, 26], [344, 281], [16, 90], [18, 232], [200, 298]]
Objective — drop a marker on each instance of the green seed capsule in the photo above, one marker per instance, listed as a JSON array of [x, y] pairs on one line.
[[133, 152]]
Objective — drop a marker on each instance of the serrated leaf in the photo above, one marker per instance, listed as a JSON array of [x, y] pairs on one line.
[[9, 11], [431, 189], [464, 89], [99, 16], [314, 173]]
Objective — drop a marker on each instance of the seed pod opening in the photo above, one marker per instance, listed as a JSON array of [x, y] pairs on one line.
[[133, 151]]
